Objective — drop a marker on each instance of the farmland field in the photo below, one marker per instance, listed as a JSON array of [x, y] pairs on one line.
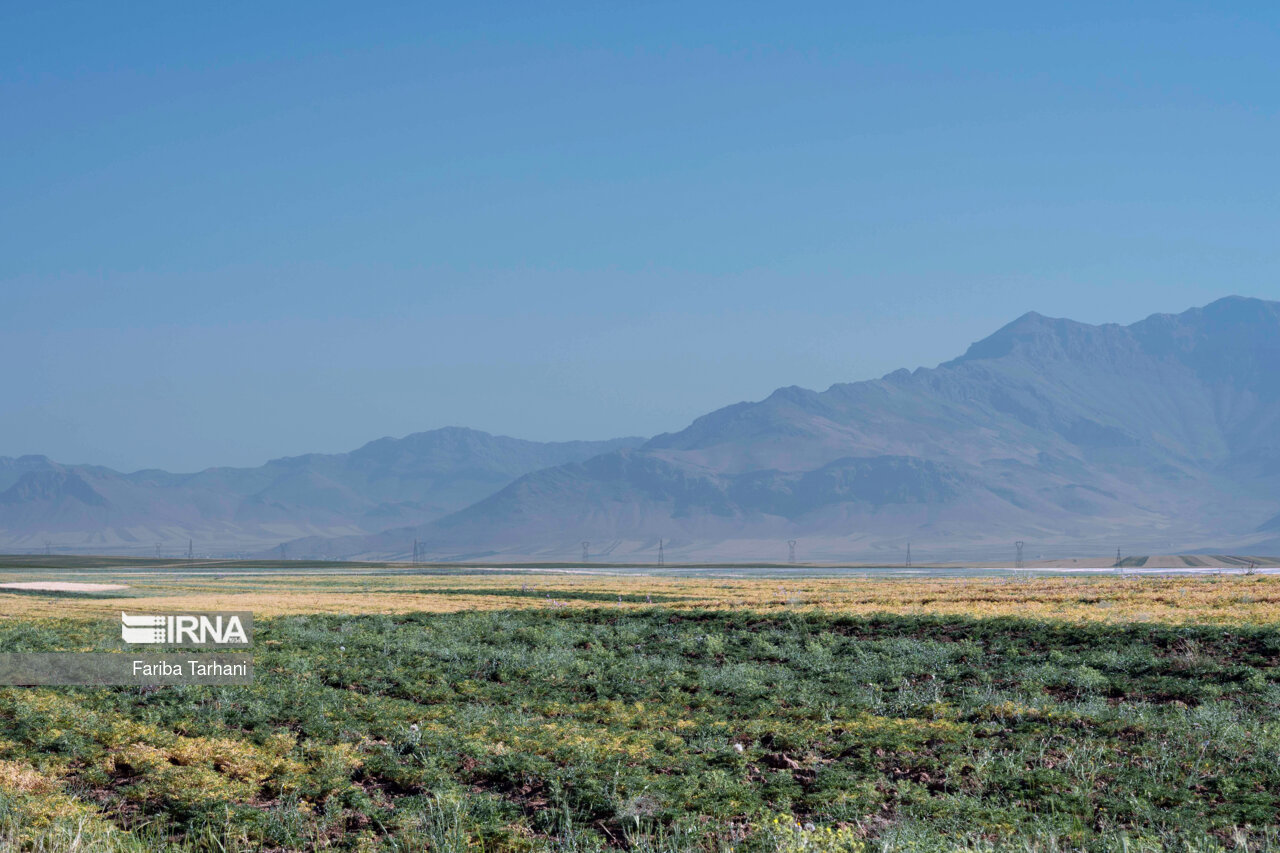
[[483, 711]]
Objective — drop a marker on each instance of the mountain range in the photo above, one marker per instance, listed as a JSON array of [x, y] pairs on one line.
[[1074, 438], [1158, 437], [386, 483]]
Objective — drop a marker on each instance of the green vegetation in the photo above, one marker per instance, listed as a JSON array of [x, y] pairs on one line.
[[661, 730]]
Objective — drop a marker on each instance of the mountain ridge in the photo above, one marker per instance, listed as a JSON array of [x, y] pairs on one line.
[[225, 509], [1162, 431]]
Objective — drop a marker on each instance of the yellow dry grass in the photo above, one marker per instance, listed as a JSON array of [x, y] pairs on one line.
[[21, 777], [1234, 599]]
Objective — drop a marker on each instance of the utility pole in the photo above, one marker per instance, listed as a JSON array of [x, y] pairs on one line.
[[661, 557], [1018, 564], [791, 550], [586, 555]]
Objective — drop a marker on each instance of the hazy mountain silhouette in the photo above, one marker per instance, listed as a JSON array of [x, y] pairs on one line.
[[1075, 438], [388, 482]]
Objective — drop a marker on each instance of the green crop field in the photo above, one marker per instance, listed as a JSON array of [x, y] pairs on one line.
[[638, 726]]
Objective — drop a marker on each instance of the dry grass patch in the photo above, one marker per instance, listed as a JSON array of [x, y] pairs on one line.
[[1227, 599]]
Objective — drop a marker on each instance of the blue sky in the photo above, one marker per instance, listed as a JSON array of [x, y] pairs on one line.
[[238, 231]]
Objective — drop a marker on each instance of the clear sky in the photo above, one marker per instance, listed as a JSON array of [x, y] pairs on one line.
[[234, 231]]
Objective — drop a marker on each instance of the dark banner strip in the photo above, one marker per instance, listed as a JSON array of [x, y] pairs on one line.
[[141, 670]]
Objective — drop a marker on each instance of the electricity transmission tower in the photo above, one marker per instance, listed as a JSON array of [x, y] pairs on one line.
[[662, 561], [191, 551], [284, 551], [1018, 564], [586, 554], [157, 550], [791, 550], [1119, 561], [908, 555], [419, 554]]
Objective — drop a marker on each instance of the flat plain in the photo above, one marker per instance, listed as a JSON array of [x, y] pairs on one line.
[[419, 709]]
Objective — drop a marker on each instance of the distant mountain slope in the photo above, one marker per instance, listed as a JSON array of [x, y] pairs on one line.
[[1073, 437], [388, 482]]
